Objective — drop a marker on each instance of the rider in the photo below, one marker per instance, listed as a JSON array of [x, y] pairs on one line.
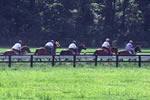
[[16, 47], [106, 45], [130, 48], [73, 46], [50, 46]]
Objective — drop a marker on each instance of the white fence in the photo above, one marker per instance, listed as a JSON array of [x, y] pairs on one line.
[[74, 59]]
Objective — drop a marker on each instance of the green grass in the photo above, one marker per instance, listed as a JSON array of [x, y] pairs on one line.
[[43, 82]]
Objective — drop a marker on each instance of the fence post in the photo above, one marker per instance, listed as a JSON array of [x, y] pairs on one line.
[[95, 60], [31, 61], [117, 62], [9, 61], [74, 60], [53, 60], [139, 61]]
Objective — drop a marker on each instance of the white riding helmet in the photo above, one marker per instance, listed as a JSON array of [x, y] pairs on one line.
[[131, 41], [107, 39]]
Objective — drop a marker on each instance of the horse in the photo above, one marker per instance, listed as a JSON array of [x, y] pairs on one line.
[[23, 51], [124, 52], [114, 50], [103, 52], [44, 51], [71, 52]]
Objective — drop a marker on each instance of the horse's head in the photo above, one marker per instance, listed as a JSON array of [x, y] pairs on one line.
[[25, 49], [57, 44], [82, 46], [114, 50], [137, 48]]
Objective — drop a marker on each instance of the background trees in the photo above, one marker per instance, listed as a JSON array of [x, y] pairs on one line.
[[87, 21]]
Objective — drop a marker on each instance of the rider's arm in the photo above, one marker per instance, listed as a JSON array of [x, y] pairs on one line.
[[19, 46], [108, 45]]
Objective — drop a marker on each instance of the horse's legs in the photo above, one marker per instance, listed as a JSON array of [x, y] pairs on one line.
[[109, 61], [79, 62], [40, 60], [37, 59], [19, 60], [60, 63]]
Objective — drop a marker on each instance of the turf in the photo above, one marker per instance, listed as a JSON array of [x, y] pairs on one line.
[[87, 82]]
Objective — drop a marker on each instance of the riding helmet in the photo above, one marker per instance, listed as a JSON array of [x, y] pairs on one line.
[[20, 41], [74, 41], [52, 41]]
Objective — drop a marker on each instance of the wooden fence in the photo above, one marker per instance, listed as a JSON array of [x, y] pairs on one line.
[[74, 59]]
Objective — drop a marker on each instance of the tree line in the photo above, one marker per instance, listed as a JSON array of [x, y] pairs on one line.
[[87, 21]]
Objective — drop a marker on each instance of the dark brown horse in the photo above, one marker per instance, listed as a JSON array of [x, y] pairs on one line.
[[124, 52], [44, 51], [71, 52], [114, 50], [23, 51], [103, 52]]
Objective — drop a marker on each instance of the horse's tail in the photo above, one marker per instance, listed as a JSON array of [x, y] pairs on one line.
[[95, 53], [36, 52], [61, 53], [4, 54]]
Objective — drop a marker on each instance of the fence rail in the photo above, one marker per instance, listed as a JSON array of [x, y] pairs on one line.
[[74, 59], [95, 49]]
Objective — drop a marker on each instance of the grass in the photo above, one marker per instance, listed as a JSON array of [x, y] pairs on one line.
[[43, 82]]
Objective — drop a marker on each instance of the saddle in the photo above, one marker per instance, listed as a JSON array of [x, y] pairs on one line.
[[125, 52], [67, 52]]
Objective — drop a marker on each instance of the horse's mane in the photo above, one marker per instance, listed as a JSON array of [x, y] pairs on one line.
[[137, 48], [81, 44], [24, 46]]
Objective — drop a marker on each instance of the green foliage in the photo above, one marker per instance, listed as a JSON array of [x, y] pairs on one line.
[[82, 20]]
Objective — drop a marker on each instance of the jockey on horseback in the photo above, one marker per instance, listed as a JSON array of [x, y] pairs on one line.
[[106, 46], [50, 46], [73, 46], [16, 47], [129, 47]]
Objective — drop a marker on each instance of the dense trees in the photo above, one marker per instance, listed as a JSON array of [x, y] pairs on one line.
[[88, 21]]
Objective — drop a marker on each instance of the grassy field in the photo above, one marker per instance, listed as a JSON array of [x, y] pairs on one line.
[[44, 82], [85, 82]]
